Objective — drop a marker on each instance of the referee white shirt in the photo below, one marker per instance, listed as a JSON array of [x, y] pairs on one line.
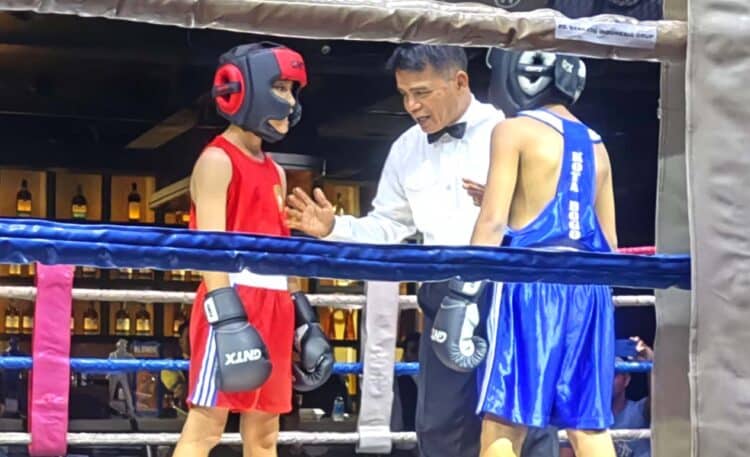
[[421, 187]]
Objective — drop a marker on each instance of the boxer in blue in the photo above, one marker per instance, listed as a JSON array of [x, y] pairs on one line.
[[550, 357]]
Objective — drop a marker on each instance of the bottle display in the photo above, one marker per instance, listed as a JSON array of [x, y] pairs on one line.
[[91, 321], [79, 205]]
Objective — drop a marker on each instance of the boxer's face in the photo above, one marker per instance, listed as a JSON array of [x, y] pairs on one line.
[[432, 98], [283, 90]]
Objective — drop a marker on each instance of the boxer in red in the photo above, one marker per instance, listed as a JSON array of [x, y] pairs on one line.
[[244, 327]]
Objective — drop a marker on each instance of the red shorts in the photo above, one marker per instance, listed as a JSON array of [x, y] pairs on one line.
[[271, 312]]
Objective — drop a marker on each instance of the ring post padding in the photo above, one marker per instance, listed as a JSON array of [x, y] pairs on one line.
[[379, 339], [670, 409], [718, 166], [49, 385]]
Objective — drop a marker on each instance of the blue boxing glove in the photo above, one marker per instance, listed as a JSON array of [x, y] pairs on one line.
[[243, 363], [315, 355], [452, 335]]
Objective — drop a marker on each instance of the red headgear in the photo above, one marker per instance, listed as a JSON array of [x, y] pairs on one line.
[[243, 87]]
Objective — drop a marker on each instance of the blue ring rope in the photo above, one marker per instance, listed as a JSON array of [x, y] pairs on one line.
[[93, 365], [110, 246]]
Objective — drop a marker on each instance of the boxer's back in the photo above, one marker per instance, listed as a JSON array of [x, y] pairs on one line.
[[557, 182]]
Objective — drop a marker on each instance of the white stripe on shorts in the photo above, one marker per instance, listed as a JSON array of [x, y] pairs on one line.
[[205, 389], [489, 363]]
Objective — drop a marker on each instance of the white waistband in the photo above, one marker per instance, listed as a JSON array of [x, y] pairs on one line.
[[248, 278]]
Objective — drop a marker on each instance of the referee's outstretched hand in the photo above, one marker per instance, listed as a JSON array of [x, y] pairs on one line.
[[314, 217]]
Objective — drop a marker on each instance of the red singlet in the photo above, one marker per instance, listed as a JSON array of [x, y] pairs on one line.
[[255, 203]]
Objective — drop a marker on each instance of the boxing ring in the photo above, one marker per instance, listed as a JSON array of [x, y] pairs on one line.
[[701, 377], [108, 246]]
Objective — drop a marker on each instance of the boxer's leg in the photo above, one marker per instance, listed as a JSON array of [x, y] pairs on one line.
[[260, 433], [501, 438], [594, 443], [202, 431]]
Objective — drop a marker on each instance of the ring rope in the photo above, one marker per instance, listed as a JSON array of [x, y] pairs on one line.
[[416, 21], [285, 438], [343, 301], [99, 365], [638, 250], [107, 246]]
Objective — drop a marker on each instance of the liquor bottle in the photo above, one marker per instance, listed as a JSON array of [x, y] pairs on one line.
[[177, 275], [14, 269], [182, 218], [332, 323], [23, 209], [79, 210], [88, 272], [122, 321], [179, 319], [142, 321], [144, 273], [91, 321], [350, 333], [23, 200], [79, 205], [195, 276], [12, 319], [339, 210], [134, 215], [125, 273], [73, 318], [134, 204], [27, 320]]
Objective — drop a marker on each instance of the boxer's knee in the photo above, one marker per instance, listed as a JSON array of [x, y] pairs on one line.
[[260, 432], [501, 438], [591, 443], [202, 431]]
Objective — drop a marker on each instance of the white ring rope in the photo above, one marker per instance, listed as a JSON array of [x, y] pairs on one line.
[[330, 300], [285, 438]]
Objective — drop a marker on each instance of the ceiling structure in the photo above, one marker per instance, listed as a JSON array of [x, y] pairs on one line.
[[96, 94]]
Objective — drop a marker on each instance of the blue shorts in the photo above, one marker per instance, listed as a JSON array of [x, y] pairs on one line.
[[552, 356]]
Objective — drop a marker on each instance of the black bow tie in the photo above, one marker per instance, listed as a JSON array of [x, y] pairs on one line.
[[457, 131]]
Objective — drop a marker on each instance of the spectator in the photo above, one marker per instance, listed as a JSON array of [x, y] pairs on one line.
[[629, 414]]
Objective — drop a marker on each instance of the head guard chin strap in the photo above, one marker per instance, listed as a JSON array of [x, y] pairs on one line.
[[531, 79], [243, 87]]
